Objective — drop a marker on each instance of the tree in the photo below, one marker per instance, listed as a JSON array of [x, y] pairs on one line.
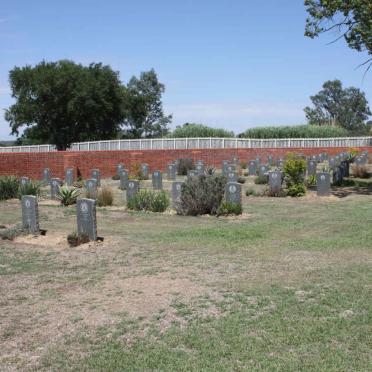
[[145, 109], [63, 102], [333, 105], [352, 18]]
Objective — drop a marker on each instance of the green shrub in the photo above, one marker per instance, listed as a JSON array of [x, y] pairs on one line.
[[78, 184], [149, 200], [105, 197], [74, 239], [31, 188], [311, 181], [294, 171], [297, 131], [201, 195], [9, 186], [184, 165], [261, 179], [198, 130], [227, 208], [243, 165], [241, 179], [67, 196], [246, 174]]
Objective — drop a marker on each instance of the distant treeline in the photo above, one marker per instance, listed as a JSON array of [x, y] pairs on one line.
[[198, 130]]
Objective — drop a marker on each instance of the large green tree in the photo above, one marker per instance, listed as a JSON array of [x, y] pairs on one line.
[[145, 115], [351, 18], [334, 105], [63, 102]]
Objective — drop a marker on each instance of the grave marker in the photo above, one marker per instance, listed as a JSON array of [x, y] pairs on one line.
[[132, 189], [157, 180], [275, 181], [91, 186], [55, 183], [30, 214], [69, 176], [233, 193], [86, 218], [252, 167], [24, 181], [46, 176], [232, 177], [124, 176], [145, 171], [171, 172], [323, 184], [311, 167], [176, 191], [96, 175]]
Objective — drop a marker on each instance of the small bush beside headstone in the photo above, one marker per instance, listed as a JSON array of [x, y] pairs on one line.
[[294, 171], [149, 200], [75, 240]]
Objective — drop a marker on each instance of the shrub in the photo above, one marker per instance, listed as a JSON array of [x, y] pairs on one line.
[[311, 181], [78, 184], [135, 172], [353, 152], [74, 239], [360, 171], [105, 197], [8, 187], [294, 170], [275, 193], [297, 131], [184, 166], [261, 179], [116, 177], [67, 196], [201, 195], [12, 232], [149, 200], [243, 165], [241, 179], [209, 171], [31, 188], [198, 130], [227, 208]]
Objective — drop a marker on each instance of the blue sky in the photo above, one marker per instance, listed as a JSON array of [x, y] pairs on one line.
[[233, 64]]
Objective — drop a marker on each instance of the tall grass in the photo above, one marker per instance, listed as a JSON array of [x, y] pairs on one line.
[[199, 130], [297, 131]]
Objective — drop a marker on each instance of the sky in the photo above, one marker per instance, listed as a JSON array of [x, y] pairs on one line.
[[234, 64]]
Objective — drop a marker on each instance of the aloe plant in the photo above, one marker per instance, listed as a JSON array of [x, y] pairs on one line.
[[67, 196]]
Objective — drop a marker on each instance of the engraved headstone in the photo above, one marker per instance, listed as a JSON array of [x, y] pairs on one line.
[[345, 168], [46, 176], [311, 167], [145, 171], [232, 177], [331, 163], [323, 184], [262, 169], [124, 176], [119, 169], [157, 180], [86, 218], [199, 167], [233, 192], [252, 167], [96, 175], [235, 161], [69, 176], [360, 161], [280, 163], [270, 159], [171, 172], [231, 168], [132, 189], [176, 191], [91, 186], [258, 160], [275, 181], [224, 165], [191, 173], [30, 214], [337, 160], [55, 183], [24, 181], [337, 175]]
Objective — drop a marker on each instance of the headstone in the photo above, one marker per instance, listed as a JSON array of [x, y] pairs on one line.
[[157, 180], [323, 184], [124, 176], [345, 168], [233, 192], [337, 175], [275, 181], [232, 177], [199, 167], [145, 171], [270, 159], [262, 169], [176, 191], [235, 161], [252, 167], [231, 168], [132, 189], [258, 160], [91, 186], [191, 173], [311, 167], [55, 183], [86, 218], [337, 160], [24, 181], [171, 172], [360, 161], [96, 175], [69, 176], [224, 165], [46, 176], [324, 156], [319, 158], [119, 169], [331, 163], [30, 214], [280, 163]]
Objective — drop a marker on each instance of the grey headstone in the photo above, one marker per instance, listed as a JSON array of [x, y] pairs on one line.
[[258, 160], [319, 158], [91, 186], [345, 168], [275, 181], [119, 169], [157, 180], [86, 218], [30, 214], [124, 176], [171, 172], [96, 175], [224, 165], [191, 173], [55, 183], [132, 189], [262, 169], [232, 176], [145, 171], [270, 159], [231, 168], [337, 160], [46, 176], [233, 192], [24, 181], [311, 167], [331, 163], [199, 167], [235, 161], [323, 184], [69, 176], [337, 175], [280, 163], [176, 191], [360, 161], [252, 167]]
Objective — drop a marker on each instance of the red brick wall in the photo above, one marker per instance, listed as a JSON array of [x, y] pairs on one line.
[[32, 164]]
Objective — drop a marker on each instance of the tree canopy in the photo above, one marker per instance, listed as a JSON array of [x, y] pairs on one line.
[[334, 105], [352, 18]]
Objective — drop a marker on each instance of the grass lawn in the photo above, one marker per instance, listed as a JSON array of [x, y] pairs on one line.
[[287, 286]]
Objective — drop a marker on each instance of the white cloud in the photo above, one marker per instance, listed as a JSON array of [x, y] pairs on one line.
[[238, 116]]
